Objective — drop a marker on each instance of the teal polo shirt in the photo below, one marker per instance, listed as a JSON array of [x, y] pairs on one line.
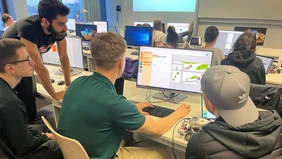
[[95, 115]]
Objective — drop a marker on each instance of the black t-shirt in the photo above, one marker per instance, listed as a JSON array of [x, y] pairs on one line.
[[30, 28]]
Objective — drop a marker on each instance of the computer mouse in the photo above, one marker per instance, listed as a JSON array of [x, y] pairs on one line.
[[62, 82]]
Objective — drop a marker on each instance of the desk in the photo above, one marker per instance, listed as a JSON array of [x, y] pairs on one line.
[[90, 62], [275, 79], [136, 95]]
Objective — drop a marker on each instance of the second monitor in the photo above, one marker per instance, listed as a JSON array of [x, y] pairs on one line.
[[138, 36], [226, 40], [85, 31]]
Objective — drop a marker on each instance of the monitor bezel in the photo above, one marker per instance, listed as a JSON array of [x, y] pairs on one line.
[[272, 61], [167, 89], [138, 47], [83, 24]]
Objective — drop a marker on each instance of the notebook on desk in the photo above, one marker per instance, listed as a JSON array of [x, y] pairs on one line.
[[267, 62], [205, 113]]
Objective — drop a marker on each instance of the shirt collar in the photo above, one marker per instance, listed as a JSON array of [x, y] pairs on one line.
[[6, 83], [103, 79]]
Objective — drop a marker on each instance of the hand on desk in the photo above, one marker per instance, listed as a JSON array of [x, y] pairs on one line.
[[183, 110], [143, 105]]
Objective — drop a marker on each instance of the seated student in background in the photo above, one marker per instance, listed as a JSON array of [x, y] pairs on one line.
[[146, 25], [8, 20], [243, 56], [158, 35], [25, 141], [240, 130], [211, 35], [171, 38], [95, 115]]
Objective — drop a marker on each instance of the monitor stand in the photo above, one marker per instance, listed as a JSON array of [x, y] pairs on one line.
[[170, 97], [134, 53], [72, 71]]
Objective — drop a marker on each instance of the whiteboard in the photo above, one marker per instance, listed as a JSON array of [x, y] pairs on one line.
[[241, 9]]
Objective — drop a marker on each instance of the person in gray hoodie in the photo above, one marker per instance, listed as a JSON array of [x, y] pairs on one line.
[[243, 56], [240, 131]]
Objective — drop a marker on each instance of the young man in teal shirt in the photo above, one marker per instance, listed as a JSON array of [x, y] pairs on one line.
[[95, 115]]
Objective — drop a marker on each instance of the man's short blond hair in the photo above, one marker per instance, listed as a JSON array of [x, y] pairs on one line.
[[106, 48]]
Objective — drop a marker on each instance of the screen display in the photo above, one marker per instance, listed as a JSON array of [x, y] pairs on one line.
[[205, 113], [74, 50], [71, 24], [164, 5], [267, 62], [226, 40], [172, 69], [101, 26], [179, 27], [85, 31], [138, 36]]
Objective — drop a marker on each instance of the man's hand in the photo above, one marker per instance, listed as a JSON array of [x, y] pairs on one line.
[[59, 95], [183, 110], [50, 136], [143, 105]]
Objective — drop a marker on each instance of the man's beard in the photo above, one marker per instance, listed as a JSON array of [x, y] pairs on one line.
[[54, 33]]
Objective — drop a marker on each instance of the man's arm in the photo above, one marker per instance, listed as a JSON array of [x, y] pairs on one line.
[[158, 128], [64, 59], [41, 70]]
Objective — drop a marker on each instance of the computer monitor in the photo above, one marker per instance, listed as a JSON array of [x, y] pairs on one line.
[[102, 26], [226, 40], [179, 27], [85, 31], [205, 113], [138, 35], [74, 51], [173, 70], [151, 23], [71, 24], [267, 62]]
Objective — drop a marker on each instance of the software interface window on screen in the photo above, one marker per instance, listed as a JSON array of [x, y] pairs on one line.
[[179, 27], [151, 23], [71, 24], [85, 31], [226, 40], [138, 36], [267, 62], [74, 50], [172, 69], [101, 26]]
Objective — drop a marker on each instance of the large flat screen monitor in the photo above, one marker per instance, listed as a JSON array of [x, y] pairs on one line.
[[138, 36], [74, 51], [85, 31], [179, 27], [173, 70], [102, 26], [226, 40]]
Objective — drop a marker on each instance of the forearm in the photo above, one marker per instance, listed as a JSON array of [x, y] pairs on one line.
[[44, 78], [166, 123], [65, 64]]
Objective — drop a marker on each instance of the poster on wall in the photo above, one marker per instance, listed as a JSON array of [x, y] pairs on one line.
[[260, 33]]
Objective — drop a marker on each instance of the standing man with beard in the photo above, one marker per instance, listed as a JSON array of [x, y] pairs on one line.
[[39, 33]]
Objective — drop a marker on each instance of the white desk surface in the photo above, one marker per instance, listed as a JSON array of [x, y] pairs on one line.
[[274, 79], [137, 95]]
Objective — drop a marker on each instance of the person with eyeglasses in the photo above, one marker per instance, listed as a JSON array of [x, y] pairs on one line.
[[39, 33], [17, 138]]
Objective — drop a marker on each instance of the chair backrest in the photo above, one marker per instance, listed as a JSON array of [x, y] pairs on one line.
[[70, 148]]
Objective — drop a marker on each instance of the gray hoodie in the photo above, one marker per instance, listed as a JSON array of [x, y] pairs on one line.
[[252, 140]]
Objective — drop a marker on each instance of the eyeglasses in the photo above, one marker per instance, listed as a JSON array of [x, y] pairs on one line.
[[29, 60]]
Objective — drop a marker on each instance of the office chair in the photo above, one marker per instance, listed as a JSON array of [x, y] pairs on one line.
[[70, 148]]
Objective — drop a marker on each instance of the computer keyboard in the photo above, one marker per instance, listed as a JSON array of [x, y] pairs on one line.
[[158, 111]]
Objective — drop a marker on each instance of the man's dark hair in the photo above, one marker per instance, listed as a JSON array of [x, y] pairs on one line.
[[211, 33], [49, 9], [8, 52], [5, 17]]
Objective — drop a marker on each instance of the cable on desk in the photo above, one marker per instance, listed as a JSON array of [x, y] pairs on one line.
[[148, 96], [170, 96], [172, 140]]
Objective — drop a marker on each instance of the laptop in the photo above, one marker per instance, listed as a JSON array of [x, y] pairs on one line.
[[267, 62], [205, 113]]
